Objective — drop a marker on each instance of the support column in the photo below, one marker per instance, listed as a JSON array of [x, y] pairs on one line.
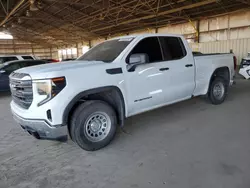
[[51, 55], [156, 30], [14, 47], [32, 49], [77, 50], [198, 31]]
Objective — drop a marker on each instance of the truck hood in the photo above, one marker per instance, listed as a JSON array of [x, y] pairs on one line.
[[58, 69], [54, 67]]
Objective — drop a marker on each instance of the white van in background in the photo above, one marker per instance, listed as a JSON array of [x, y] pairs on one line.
[[6, 58]]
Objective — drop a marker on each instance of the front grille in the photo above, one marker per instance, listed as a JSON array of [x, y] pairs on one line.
[[21, 89]]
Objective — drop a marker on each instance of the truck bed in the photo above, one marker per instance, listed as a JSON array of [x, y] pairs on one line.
[[195, 54], [205, 64]]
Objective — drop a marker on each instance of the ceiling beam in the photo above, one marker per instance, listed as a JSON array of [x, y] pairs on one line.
[[12, 12], [247, 2], [193, 5], [90, 3], [3, 7], [60, 19]]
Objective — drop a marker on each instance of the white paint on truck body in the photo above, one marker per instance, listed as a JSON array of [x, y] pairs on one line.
[[146, 82]]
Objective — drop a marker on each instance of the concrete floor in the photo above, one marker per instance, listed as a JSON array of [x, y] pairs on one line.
[[188, 145]]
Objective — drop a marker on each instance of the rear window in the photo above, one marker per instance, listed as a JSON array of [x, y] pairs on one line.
[[27, 57], [6, 59]]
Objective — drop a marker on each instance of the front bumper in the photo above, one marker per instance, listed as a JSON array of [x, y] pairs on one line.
[[41, 129]]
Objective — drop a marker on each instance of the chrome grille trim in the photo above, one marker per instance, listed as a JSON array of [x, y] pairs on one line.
[[21, 89]]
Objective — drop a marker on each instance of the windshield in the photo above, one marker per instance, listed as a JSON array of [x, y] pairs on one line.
[[107, 51]]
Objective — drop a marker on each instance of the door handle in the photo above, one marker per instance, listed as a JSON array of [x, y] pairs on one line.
[[164, 69], [189, 65]]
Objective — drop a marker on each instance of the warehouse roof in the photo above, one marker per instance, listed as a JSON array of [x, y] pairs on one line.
[[64, 22]]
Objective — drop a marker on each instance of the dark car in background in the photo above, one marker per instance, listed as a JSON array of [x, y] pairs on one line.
[[7, 68], [69, 59], [51, 60]]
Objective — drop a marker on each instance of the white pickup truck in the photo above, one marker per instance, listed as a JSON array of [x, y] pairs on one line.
[[88, 98]]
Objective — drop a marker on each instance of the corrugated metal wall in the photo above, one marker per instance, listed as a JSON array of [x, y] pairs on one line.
[[17, 47], [240, 47]]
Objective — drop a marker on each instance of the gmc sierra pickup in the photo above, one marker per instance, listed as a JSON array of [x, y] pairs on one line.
[[88, 98]]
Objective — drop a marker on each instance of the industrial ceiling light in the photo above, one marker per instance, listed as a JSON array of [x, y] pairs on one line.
[[33, 6], [40, 5], [19, 20], [28, 13]]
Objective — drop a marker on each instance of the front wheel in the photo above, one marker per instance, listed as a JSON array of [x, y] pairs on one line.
[[93, 125], [218, 91]]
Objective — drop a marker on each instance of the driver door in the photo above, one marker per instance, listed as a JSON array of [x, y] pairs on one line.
[[146, 84]]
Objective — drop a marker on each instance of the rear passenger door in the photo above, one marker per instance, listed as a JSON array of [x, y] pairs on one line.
[[181, 69]]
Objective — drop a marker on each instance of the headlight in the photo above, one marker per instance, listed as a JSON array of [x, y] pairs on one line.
[[49, 88]]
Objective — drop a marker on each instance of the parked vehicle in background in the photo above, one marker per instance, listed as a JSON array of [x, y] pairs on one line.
[[245, 72], [245, 62], [51, 60], [87, 98], [69, 59], [7, 68], [6, 58]]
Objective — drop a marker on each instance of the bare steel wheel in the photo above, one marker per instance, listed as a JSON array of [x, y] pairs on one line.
[[97, 126], [218, 90], [93, 125]]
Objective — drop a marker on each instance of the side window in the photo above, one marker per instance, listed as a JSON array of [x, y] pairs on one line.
[[6, 59], [151, 47], [27, 57], [173, 48], [10, 59], [10, 68]]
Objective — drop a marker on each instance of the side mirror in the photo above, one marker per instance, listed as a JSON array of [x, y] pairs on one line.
[[137, 59]]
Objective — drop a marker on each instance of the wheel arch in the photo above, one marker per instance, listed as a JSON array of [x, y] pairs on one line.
[[110, 94], [223, 72]]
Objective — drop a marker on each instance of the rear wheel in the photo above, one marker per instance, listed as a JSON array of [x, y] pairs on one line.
[[218, 91], [93, 125]]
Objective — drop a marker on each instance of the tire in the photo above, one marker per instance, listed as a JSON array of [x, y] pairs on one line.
[[217, 91], [93, 125]]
